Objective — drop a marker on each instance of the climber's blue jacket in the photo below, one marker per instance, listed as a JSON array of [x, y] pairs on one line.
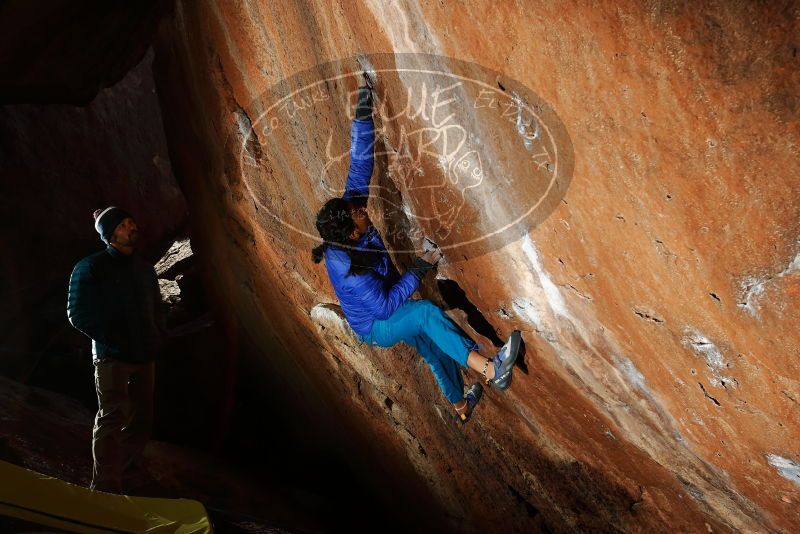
[[376, 294]]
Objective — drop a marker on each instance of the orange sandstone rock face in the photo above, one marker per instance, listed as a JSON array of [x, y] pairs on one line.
[[656, 287]]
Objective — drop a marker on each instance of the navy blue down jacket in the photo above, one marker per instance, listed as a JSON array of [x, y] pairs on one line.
[[376, 294], [114, 299]]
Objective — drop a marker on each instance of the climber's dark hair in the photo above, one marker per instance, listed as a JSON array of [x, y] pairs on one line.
[[335, 224]]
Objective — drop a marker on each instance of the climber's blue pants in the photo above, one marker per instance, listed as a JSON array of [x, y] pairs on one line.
[[440, 342]]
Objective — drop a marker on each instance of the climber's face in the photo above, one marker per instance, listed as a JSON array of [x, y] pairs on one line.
[[360, 219]]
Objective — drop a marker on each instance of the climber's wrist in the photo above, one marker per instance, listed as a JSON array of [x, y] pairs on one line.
[[364, 104], [419, 268]]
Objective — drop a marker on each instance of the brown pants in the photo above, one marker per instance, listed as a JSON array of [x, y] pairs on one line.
[[124, 420]]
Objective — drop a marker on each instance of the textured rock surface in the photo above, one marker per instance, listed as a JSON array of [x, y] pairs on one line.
[[65, 52], [658, 300], [57, 446]]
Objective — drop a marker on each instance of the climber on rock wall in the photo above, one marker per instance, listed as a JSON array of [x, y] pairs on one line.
[[375, 298]]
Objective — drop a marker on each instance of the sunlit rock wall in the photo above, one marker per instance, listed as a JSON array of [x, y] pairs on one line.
[[656, 287]]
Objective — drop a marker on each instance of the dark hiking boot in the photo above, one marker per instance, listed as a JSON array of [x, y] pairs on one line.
[[504, 361], [473, 396]]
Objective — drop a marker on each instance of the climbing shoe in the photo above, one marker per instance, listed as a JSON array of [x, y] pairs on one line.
[[473, 396], [504, 361]]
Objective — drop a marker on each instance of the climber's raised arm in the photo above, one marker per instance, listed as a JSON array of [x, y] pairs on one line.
[[376, 300], [362, 148]]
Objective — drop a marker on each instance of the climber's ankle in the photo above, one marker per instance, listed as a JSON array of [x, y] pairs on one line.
[[481, 365], [490, 370]]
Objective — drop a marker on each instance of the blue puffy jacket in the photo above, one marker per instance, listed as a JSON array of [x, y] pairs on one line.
[[374, 295]]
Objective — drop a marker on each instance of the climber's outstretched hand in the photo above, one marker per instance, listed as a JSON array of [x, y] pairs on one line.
[[368, 76], [432, 256]]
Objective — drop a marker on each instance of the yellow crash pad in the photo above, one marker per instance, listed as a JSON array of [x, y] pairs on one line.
[[44, 500]]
